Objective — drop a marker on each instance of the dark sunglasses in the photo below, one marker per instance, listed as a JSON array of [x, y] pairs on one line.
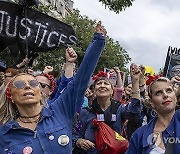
[[20, 84], [43, 85]]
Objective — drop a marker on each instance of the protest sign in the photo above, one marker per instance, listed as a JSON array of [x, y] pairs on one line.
[[37, 30], [172, 63]]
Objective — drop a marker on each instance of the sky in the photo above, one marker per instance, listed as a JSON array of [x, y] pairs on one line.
[[145, 30]]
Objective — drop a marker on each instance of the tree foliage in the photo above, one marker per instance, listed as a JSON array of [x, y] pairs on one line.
[[117, 5], [113, 54]]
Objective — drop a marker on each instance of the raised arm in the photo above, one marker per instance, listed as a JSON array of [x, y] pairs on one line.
[[23, 63], [73, 95], [71, 57], [118, 90], [135, 76]]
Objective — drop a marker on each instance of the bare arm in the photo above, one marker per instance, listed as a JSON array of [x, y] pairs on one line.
[[135, 74], [119, 79], [71, 57]]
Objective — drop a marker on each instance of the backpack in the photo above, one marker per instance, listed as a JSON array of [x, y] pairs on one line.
[[107, 140]]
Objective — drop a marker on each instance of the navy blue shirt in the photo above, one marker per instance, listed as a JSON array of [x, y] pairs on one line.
[[140, 143], [86, 118]]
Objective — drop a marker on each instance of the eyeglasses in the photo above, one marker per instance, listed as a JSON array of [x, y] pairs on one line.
[[20, 84], [43, 85]]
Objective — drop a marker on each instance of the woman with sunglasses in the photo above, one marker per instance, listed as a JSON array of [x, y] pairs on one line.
[[47, 84], [161, 135], [29, 127]]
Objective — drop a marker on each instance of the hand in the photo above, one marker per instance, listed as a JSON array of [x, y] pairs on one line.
[[142, 68], [25, 61], [135, 72], [47, 69], [117, 70], [100, 29], [175, 80], [71, 55], [85, 144]]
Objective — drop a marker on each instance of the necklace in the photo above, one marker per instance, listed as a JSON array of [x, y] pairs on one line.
[[31, 116], [35, 121]]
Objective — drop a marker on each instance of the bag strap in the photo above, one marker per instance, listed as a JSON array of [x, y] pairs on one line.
[[169, 148]]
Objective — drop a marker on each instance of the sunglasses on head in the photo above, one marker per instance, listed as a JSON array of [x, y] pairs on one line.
[[20, 84], [43, 85]]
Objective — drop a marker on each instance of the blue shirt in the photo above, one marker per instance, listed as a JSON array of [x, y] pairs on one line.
[[53, 134], [86, 118], [62, 84], [141, 141]]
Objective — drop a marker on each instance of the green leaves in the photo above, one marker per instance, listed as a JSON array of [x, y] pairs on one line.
[[117, 5], [113, 54]]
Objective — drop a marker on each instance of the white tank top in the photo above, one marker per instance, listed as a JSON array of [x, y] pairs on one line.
[[157, 150]]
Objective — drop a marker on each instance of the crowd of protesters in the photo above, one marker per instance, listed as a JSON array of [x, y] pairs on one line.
[[40, 113]]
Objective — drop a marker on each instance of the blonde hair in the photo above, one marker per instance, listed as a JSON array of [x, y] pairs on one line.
[[8, 110], [161, 79]]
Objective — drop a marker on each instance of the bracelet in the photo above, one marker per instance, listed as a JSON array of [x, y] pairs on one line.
[[142, 85], [136, 91]]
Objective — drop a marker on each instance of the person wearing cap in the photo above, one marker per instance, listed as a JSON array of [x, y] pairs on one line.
[[27, 126]]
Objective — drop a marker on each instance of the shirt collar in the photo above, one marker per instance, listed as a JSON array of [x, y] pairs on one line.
[[149, 128], [171, 128], [46, 112]]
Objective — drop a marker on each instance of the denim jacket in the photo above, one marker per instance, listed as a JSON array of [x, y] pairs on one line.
[[53, 134]]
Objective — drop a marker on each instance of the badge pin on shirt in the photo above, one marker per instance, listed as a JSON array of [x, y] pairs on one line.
[[63, 140], [27, 150], [100, 117], [113, 117]]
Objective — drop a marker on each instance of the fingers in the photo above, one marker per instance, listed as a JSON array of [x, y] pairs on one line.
[[49, 67], [71, 52], [133, 68], [86, 144], [116, 69], [175, 80], [26, 60], [100, 29]]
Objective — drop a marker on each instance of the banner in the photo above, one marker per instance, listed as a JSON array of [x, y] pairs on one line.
[[172, 64], [42, 32]]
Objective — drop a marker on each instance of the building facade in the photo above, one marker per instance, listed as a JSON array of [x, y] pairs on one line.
[[59, 8]]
